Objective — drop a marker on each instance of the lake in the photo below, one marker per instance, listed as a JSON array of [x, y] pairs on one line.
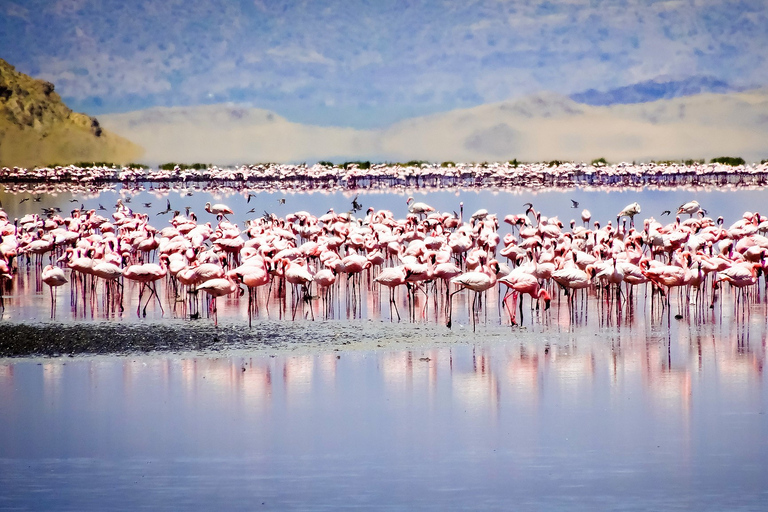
[[597, 411]]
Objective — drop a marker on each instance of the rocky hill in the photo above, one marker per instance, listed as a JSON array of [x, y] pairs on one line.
[[37, 128]]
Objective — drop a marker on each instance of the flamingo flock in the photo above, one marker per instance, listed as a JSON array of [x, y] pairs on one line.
[[363, 175], [415, 253]]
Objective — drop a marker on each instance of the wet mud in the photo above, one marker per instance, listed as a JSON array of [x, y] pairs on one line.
[[50, 339]]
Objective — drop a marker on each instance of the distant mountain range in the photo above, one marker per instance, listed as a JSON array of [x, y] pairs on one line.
[[700, 121], [541, 127], [37, 128], [653, 90]]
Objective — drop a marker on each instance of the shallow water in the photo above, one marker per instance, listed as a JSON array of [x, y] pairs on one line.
[[614, 420], [29, 299]]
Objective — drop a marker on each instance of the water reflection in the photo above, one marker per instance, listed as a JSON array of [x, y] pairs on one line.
[[667, 407]]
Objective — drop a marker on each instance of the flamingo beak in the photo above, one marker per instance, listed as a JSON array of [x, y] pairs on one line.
[[546, 304]]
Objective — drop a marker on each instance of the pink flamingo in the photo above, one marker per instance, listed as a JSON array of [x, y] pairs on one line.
[[53, 277], [392, 277], [523, 283], [217, 287], [147, 274], [478, 281]]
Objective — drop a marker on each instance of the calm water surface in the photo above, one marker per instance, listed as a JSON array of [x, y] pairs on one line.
[[617, 419], [594, 414]]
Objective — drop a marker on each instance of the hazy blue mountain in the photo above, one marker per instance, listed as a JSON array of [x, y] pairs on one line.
[[652, 90]]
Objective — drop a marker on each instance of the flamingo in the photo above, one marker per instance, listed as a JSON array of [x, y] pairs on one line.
[[218, 209], [522, 282], [478, 281], [629, 211], [586, 216], [392, 277], [690, 208], [147, 274], [217, 287], [418, 208], [53, 277]]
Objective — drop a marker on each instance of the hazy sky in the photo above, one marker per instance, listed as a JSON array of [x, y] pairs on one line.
[[368, 63]]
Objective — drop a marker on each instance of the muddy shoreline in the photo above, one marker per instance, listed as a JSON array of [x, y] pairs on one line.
[[53, 339]]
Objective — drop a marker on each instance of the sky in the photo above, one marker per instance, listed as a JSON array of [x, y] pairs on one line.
[[370, 63]]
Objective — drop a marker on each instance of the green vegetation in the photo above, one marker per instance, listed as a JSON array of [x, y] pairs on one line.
[[514, 163], [764, 161], [325, 163], [360, 164], [448, 163], [599, 161], [415, 163], [90, 165], [169, 166], [728, 160], [688, 161], [554, 163]]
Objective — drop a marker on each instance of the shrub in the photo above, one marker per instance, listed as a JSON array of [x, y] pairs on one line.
[[448, 163], [169, 166], [599, 161], [360, 165], [728, 160], [95, 164]]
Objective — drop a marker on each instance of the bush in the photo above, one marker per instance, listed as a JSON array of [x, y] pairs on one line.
[[514, 163], [554, 163], [415, 163], [690, 161], [728, 160], [169, 166], [764, 161], [95, 164], [325, 163], [448, 163], [599, 161], [360, 165]]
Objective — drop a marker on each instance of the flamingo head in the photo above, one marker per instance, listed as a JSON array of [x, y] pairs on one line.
[[544, 294]]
